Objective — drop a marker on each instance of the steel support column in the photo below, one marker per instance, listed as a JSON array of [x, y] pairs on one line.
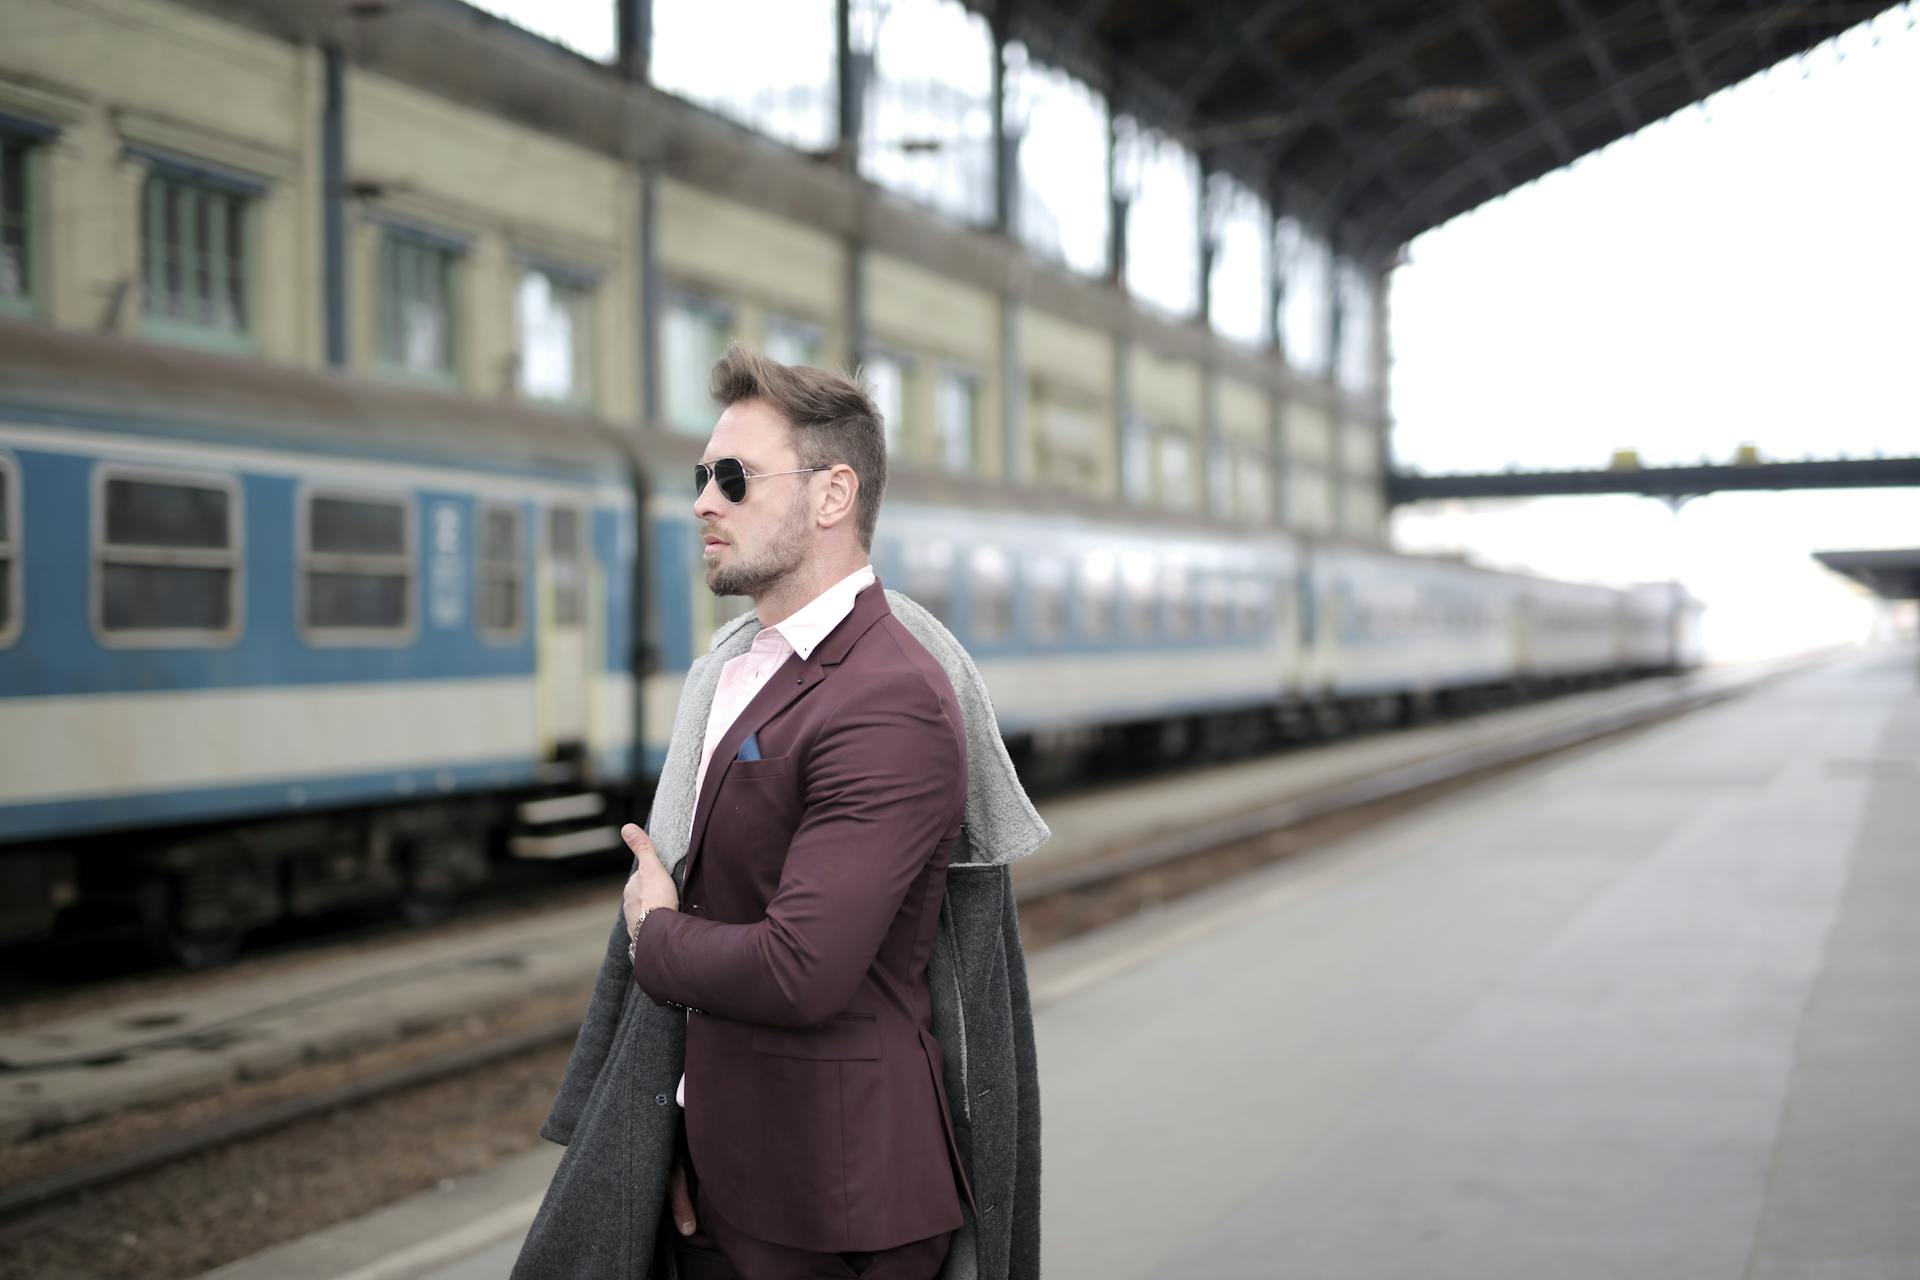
[[333, 163], [634, 19]]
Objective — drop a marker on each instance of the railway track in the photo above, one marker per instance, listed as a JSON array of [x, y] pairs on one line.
[[1056, 904]]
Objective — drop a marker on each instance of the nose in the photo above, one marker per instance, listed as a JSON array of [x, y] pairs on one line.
[[707, 503]]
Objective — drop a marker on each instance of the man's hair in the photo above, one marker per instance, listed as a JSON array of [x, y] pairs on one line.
[[833, 419]]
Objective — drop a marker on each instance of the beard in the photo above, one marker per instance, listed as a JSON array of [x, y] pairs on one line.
[[784, 553]]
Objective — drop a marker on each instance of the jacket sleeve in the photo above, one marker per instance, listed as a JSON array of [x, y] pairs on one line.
[[880, 795]]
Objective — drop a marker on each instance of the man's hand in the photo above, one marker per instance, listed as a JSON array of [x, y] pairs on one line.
[[649, 886], [681, 1199]]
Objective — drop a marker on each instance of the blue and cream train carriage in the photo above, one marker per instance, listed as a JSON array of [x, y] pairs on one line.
[[273, 641]]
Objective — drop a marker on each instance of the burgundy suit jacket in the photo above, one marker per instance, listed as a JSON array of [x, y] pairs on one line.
[[815, 1111]]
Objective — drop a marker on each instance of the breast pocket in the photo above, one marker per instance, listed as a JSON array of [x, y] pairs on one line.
[[849, 1037], [753, 770]]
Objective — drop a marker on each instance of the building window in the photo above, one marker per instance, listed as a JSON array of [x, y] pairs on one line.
[[416, 313], [887, 376], [566, 556], [501, 582], [18, 274], [194, 237], [357, 570], [1253, 478], [9, 552], [696, 332], [791, 342], [990, 595], [1176, 471], [956, 408], [167, 559], [1137, 483], [555, 315]]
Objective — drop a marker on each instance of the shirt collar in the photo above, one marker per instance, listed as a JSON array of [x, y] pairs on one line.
[[813, 621]]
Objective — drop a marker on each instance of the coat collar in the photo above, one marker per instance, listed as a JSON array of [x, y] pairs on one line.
[[795, 677]]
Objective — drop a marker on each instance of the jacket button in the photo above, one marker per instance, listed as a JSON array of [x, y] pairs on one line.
[[659, 1099]]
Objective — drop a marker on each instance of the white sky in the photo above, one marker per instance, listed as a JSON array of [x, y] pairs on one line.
[[1744, 272]]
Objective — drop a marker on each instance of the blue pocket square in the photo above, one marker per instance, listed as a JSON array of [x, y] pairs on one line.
[[750, 749]]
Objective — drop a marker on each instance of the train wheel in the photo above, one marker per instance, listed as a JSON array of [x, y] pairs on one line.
[[174, 935]]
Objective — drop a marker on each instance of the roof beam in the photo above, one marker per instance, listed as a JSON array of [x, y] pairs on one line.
[[1444, 185], [1303, 90], [1602, 62], [1470, 145], [1082, 24], [1683, 45], [1254, 27], [1494, 47]]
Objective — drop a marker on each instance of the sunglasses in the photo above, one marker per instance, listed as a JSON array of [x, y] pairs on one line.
[[732, 475]]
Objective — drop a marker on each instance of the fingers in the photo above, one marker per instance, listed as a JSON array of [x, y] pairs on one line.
[[681, 1198], [642, 846]]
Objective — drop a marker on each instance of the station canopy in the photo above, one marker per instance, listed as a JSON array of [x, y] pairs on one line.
[[1391, 116], [1892, 574]]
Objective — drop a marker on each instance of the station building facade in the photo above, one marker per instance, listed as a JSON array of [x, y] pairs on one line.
[[426, 194]]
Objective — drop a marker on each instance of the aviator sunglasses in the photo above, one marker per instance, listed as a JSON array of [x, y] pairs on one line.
[[732, 475]]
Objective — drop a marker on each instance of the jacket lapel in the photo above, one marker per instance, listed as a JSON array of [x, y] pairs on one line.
[[793, 679]]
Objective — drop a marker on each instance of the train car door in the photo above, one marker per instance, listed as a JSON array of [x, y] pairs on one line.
[[562, 652]]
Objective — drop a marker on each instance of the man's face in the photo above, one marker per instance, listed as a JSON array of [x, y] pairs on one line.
[[750, 546]]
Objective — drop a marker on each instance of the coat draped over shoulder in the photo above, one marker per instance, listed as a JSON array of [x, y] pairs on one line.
[[603, 1217]]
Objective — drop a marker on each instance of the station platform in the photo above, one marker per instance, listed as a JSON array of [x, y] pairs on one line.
[[1648, 1009]]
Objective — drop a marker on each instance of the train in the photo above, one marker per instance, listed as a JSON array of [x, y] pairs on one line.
[[276, 641]]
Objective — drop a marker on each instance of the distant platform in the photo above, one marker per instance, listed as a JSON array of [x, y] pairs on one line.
[[1649, 1011]]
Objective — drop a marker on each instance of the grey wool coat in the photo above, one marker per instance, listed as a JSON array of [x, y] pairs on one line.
[[603, 1215]]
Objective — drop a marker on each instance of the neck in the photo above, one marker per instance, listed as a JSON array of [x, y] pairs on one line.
[[786, 597]]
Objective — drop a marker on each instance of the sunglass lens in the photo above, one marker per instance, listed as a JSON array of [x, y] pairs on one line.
[[733, 479]]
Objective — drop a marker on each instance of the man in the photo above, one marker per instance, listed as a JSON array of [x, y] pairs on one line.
[[830, 791]]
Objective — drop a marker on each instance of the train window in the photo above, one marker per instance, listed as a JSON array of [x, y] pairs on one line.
[[929, 577], [9, 556], [990, 595], [1216, 608], [499, 573], [719, 611], [566, 552], [357, 570], [167, 557], [1250, 606], [1141, 606], [1097, 596], [1179, 602], [1047, 601]]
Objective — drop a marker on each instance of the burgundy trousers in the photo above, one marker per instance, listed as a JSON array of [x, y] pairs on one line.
[[717, 1250]]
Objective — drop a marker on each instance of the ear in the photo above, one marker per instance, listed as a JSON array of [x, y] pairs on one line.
[[839, 496]]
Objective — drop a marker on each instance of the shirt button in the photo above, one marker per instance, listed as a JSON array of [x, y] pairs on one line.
[[660, 1099]]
